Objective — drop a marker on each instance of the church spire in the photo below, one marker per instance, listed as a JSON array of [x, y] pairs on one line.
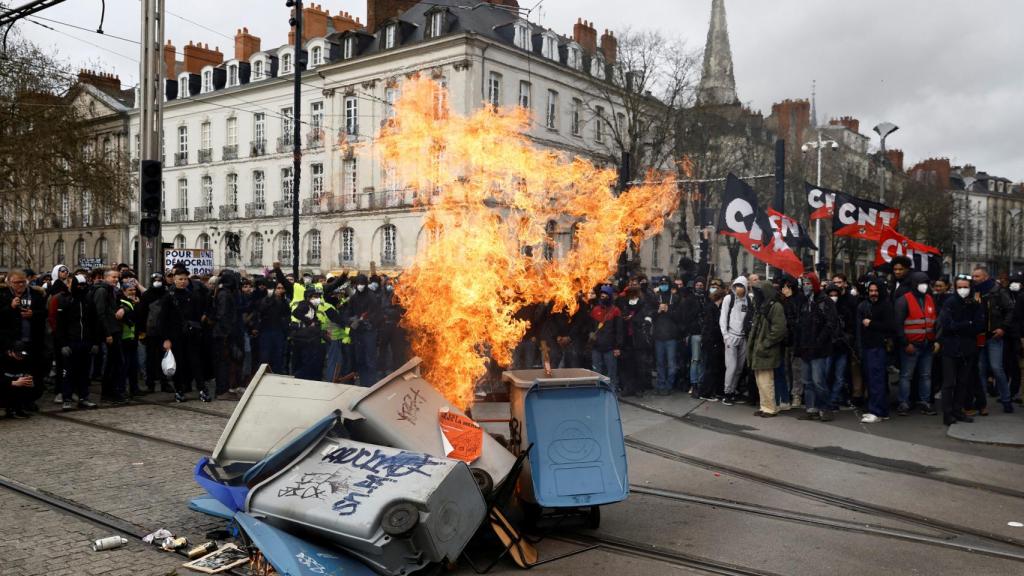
[[717, 83], [814, 103]]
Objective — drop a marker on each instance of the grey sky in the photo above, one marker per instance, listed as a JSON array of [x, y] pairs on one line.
[[949, 73]]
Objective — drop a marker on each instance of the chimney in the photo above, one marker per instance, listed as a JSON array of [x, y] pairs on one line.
[[610, 46], [170, 57], [245, 44], [314, 23], [108, 83], [379, 11], [344, 22], [791, 119], [969, 170], [585, 35], [848, 122], [895, 158], [199, 55]]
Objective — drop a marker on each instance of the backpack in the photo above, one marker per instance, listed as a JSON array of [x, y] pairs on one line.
[[748, 318]]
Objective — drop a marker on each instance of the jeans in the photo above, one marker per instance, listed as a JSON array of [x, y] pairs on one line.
[[696, 361], [782, 393], [921, 362], [815, 384], [876, 381], [332, 369], [665, 359], [837, 382], [606, 363], [991, 359], [364, 345], [272, 348]]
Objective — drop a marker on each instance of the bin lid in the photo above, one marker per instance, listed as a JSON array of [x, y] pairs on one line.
[[557, 377], [289, 554], [408, 371]]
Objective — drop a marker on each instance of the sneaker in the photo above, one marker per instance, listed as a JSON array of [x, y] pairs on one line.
[[709, 398], [728, 400], [926, 409], [826, 416], [179, 397], [903, 409], [809, 416], [785, 406], [204, 396], [87, 404], [1008, 407], [870, 419], [58, 399], [983, 411], [798, 403]]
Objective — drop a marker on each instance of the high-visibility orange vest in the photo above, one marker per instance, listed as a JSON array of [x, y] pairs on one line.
[[920, 324]]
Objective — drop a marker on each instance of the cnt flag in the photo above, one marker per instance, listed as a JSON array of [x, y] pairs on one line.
[[743, 219], [820, 201], [793, 232], [859, 218], [891, 243]]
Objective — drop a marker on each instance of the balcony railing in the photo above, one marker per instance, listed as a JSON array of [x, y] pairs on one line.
[[283, 208], [230, 152], [255, 210], [203, 213], [179, 215], [284, 144], [181, 158], [258, 148], [315, 139], [228, 212], [205, 155]]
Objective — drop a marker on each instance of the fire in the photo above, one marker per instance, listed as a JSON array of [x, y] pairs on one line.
[[489, 194]]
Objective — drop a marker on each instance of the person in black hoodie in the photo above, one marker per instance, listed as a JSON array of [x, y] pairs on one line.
[[1011, 352], [228, 335], [668, 322], [789, 388], [961, 320], [819, 331], [273, 316], [712, 348], [365, 318], [73, 339], [606, 336], [106, 300], [638, 344], [691, 328], [183, 309], [875, 326], [149, 332]]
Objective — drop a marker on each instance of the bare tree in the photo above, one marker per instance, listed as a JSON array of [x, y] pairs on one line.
[[49, 164]]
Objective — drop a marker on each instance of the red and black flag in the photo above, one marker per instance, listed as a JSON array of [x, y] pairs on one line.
[[859, 218], [742, 218], [793, 232], [820, 201], [927, 259]]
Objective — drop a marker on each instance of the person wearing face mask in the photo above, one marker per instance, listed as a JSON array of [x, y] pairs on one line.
[[789, 385], [875, 325], [72, 340], [273, 315], [818, 332], [667, 328], [839, 374], [228, 333], [638, 343], [308, 340], [712, 348], [148, 328], [606, 336], [765, 347], [364, 316], [691, 328], [734, 321], [998, 308], [182, 310], [961, 320], [915, 322], [1012, 350]]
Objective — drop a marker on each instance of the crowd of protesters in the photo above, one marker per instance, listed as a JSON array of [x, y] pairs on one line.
[[884, 343], [60, 331]]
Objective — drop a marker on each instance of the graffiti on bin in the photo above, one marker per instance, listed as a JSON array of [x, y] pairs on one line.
[[315, 485], [377, 469], [411, 404], [311, 563]]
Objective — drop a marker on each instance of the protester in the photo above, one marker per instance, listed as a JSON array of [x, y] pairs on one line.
[[273, 316], [915, 322], [998, 308], [765, 346], [364, 319], [961, 321], [183, 309], [638, 343], [818, 332], [668, 322], [736, 316], [606, 336], [875, 327]]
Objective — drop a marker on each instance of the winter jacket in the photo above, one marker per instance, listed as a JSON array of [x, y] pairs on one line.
[[273, 314], [182, 312], [668, 324], [998, 308], [228, 315], [960, 322], [606, 328], [767, 332], [149, 304], [818, 328], [105, 302], [75, 323], [882, 326], [692, 315], [14, 328], [735, 317], [637, 325], [365, 306]]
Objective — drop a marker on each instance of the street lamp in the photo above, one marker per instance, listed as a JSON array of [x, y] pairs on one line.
[[819, 145], [883, 130]]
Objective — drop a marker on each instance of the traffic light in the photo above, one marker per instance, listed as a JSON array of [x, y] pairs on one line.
[[150, 194], [149, 227]]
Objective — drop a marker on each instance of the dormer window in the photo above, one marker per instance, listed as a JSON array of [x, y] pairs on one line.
[[207, 81], [390, 36], [257, 70], [435, 24], [183, 86], [522, 36], [597, 67], [991, 185], [233, 75], [286, 63], [316, 56], [574, 58], [549, 48], [349, 48]]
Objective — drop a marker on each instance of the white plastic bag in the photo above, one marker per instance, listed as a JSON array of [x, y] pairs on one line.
[[168, 365]]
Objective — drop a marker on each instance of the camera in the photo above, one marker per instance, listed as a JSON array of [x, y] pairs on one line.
[[20, 349]]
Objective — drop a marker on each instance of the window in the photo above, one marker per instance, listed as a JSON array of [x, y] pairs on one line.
[[103, 250], [597, 67], [183, 194], [183, 140], [390, 95], [551, 117], [108, 154], [348, 245], [138, 146], [207, 81], [207, 190], [204, 241], [79, 250], [286, 185], [599, 124], [522, 36], [348, 180], [59, 250], [549, 47], [286, 63], [232, 131], [259, 197], [524, 94], [494, 89], [183, 86], [435, 26], [349, 48], [441, 98], [259, 127], [316, 55], [351, 116], [577, 113], [86, 208], [231, 191], [314, 245], [317, 181], [204, 136], [316, 117], [233, 74], [656, 252], [257, 70], [549, 240], [574, 58], [179, 242], [284, 246], [390, 35], [256, 248], [286, 122], [389, 245]]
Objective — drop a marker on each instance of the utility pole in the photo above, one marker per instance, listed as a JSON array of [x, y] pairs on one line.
[[151, 98], [300, 65]]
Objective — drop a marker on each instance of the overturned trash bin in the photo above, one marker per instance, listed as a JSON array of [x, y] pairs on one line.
[[404, 410], [274, 410], [395, 510], [578, 455]]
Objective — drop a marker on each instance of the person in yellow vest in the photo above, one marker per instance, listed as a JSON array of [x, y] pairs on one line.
[[129, 344], [338, 335]]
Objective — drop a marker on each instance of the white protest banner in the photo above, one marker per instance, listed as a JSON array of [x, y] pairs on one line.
[[196, 261]]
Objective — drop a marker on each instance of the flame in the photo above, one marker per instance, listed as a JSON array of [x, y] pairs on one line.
[[488, 194]]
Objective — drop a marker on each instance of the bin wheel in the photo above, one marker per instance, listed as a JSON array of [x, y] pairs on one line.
[[400, 519], [483, 480], [594, 518]]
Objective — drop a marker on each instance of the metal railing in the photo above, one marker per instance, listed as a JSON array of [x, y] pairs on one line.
[[258, 148], [181, 158], [179, 214], [230, 152], [319, 205], [255, 210], [283, 208], [205, 155], [284, 144], [228, 212], [203, 213], [315, 139]]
